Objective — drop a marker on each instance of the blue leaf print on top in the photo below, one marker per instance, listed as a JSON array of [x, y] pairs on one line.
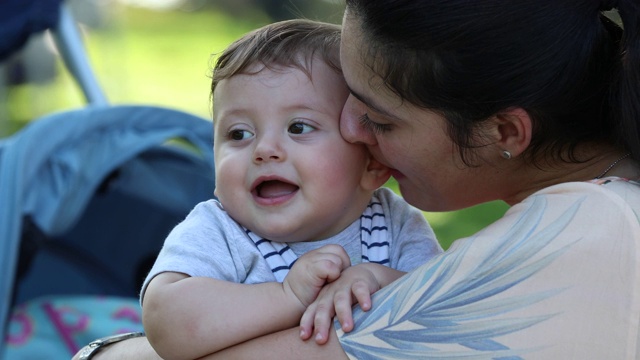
[[426, 312]]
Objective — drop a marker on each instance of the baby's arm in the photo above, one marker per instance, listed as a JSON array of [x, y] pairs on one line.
[[190, 317], [355, 285]]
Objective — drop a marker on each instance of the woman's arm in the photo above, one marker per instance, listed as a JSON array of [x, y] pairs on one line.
[[278, 346], [131, 349], [283, 345]]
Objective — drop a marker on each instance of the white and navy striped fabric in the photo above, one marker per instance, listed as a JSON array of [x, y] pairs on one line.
[[373, 237], [279, 256], [373, 234]]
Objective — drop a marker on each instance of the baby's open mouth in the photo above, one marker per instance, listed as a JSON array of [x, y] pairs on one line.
[[275, 188]]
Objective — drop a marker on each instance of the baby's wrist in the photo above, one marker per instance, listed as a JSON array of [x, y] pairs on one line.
[[291, 298]]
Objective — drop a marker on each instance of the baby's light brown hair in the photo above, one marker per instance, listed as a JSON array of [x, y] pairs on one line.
[[289, 43]]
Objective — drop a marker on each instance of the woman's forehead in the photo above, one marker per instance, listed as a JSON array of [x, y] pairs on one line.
[[354, 66], [364, 84]]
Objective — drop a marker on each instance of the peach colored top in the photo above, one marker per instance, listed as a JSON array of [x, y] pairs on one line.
[[558, 277]]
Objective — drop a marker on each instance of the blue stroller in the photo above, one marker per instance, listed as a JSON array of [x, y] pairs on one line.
[[87, 197]]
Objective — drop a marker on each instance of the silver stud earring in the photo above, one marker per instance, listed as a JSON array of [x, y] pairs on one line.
[[506, 154]]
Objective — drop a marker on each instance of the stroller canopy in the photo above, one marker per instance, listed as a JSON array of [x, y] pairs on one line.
[[52, 169]]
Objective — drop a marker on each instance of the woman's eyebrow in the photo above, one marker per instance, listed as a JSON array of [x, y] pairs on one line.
[[370, 104]]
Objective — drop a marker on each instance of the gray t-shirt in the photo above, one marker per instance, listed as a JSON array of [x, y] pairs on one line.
[[208, 243]]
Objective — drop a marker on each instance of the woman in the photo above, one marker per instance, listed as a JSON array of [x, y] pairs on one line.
[[536, 103]]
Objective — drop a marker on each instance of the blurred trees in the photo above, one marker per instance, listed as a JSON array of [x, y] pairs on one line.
[[325, 10], [113, 28]]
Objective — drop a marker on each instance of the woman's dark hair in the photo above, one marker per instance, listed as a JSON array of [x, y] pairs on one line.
[[289, 43], [569, 66]]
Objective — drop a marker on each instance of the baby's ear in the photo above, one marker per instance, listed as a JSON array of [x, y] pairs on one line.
[[375, 175]]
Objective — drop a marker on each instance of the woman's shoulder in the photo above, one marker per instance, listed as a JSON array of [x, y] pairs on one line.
[[628, 190], [555, 278], [583, 217], [599, 195]]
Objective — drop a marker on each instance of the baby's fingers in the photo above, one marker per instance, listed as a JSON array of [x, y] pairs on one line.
[[323, 319], [362, 293], [342, 303], [306, 322]]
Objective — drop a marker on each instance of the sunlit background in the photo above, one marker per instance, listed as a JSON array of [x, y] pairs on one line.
[[159, 52]]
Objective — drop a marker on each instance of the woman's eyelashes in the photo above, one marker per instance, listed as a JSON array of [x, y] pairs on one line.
[[373, 126]]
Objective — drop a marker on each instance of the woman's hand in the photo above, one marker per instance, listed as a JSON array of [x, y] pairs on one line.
[[355, 285], [314, 270]]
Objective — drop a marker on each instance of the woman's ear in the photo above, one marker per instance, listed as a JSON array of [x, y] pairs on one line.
[[375, 175], [511, 130]]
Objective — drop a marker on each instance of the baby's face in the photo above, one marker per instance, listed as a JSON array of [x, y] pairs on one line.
[[282, 168]]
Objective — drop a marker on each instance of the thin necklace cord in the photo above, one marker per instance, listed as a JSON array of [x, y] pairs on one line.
[[612, 165]]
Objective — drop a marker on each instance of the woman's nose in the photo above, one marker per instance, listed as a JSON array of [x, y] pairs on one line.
[[268, 148], [350, 126]]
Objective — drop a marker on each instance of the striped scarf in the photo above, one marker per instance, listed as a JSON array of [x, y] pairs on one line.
[[373, 237]]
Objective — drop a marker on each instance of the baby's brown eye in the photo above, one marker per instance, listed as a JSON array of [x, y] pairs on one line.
[[300, 128], [296, 128], [239, 134]]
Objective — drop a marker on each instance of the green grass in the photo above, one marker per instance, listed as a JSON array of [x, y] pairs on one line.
[[166, 56], [163, 59], [450, 226]]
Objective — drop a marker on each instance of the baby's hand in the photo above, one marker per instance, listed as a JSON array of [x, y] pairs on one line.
[[313, 270], [355, 285]]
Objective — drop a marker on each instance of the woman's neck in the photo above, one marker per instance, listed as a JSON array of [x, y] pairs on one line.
[[598, 162]]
